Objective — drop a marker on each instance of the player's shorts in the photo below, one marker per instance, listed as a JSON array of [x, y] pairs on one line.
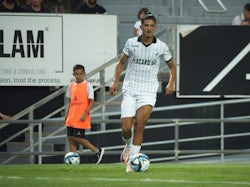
[[78, 133], [130, 103]]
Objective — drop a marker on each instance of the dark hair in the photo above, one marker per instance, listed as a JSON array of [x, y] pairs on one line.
[[78, 66], [142, 10], [148, 16], [247, 6]]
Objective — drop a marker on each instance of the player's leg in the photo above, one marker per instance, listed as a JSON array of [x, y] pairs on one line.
[[142, 116], [4, 117], [71, 140], [86, 143], [127, 137], [127, 124], [79, 136], [144, 107], [127, 118], [72, 144], [127, 129], [98, 152]]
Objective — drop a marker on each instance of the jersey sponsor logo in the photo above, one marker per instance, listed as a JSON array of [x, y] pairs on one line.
[[76, 103], [143, 61]]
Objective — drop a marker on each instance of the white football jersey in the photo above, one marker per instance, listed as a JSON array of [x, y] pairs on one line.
[[143, 65]]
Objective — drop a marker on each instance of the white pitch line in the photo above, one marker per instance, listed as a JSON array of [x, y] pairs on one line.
[[138, 180], [227, 69], [175, 181]]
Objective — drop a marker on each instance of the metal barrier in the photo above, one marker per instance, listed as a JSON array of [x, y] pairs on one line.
[[158, 123]]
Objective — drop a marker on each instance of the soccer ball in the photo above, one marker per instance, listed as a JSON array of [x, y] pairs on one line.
[[139, 162], [71, 158]]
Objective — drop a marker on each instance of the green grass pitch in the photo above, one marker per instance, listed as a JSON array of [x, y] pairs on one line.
[[114, 175]]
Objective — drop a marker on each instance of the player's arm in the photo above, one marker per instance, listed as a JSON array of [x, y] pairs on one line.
[[67, 110], [172, 76], [68, 96], [118, 70], [91, 103], [86, 112]]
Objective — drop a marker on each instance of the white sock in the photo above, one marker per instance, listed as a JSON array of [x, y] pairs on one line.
[[134, 149], [127, 141]]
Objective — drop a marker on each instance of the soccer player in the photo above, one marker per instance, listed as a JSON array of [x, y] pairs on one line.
[[143, 55], [81, 95]]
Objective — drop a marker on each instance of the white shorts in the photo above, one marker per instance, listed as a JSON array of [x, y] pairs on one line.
[[130, 103]]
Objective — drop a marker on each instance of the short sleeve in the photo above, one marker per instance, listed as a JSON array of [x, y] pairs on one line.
[[67, 94], [90, 91], [126, 48], [166, 53]]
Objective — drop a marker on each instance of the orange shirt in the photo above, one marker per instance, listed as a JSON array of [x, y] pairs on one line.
[[79, 102]]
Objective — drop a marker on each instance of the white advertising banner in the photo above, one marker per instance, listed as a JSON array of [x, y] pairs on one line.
[[41, 50]]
